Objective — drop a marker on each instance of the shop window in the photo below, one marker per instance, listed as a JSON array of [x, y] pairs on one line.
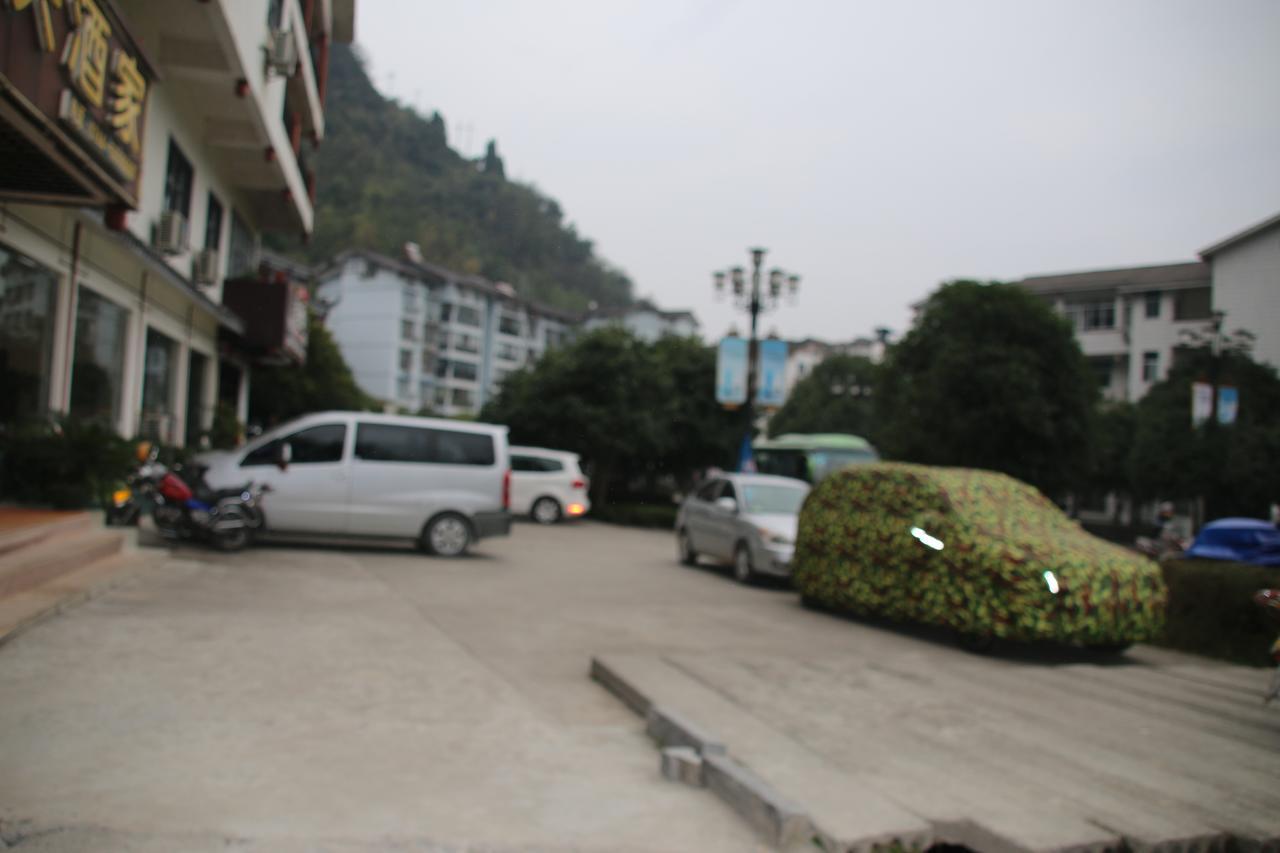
[[1150, 366], [97, 377], [27, 292], [197, 411], [243, 255], [178, 180], [158, 380], [1152, 302], [1195, 304], [213, 224]]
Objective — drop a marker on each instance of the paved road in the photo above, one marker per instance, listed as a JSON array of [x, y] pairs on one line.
[[352, 700]]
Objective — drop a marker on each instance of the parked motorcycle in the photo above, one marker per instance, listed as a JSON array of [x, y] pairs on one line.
[[1269, 601], [183, 505]]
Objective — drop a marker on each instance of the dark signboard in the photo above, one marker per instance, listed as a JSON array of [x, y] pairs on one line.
[[274, 311], [73, 96]]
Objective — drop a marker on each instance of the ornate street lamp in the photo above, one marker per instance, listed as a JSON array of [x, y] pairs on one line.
[[755, 301]]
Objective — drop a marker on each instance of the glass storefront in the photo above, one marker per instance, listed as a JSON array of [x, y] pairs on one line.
[[159, 374], [97, 374], [197, 369], [28, 294]]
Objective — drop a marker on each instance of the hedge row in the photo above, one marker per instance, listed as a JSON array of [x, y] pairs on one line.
[[67, 465], [661, 515], [1211, 611]]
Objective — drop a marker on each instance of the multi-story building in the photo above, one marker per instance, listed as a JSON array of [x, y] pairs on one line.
[[1245, 269], [803, 356], [644, 320], [1129, 322], [145, 145], [421, 337]]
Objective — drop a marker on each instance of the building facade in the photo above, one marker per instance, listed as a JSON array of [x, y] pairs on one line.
[[803, 356], [644, 320], [1130, 322], [1245, 270], [147, 146], [421, 337]]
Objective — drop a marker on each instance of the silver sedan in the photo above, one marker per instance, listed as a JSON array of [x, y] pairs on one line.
[[749, 519]]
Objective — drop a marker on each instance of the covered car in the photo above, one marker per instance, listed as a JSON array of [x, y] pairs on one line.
[[1241, 540], [975, 551]]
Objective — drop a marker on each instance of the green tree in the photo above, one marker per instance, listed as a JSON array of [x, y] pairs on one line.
[[632, 410], [325, 382], [835, 397], [1235, 468], [387, 176], [990, 377]]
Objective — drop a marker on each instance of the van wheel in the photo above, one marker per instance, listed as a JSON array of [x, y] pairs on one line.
[[545, 511], [447, 536]]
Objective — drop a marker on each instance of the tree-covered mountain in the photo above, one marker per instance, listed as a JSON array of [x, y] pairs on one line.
[[387, 176]]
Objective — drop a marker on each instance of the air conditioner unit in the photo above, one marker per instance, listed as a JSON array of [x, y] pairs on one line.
[[171, 233], [282, 53], [204, 270]]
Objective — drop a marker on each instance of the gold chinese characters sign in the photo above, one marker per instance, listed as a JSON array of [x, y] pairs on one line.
[[74, 64]]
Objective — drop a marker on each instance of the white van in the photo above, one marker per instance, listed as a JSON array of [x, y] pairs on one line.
[[547, 485], [441, 483]]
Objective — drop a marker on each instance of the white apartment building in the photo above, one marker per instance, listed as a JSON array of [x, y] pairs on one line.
[[146, 146], [1245, 269], [803, 356], [419, 336], [644, 320], [1129, 322]]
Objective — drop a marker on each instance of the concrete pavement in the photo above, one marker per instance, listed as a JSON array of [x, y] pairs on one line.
[[319, 699]]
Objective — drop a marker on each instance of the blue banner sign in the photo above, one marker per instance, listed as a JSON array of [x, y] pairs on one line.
[[731, 372], [1228, 404], [773, 374]]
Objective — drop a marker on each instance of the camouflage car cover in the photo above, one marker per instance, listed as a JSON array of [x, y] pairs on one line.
[[999, 537]]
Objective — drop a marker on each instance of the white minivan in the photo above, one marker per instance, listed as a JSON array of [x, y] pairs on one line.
[[441, 483], [547, 485]]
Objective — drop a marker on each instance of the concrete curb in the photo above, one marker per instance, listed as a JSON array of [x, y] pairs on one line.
[[670, 728], [25, 610], [771, 814]]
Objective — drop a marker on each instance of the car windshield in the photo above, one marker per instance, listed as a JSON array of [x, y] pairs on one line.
[[773, 499]]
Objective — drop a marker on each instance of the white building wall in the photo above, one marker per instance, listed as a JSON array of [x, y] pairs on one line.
[[365, 323], [1246, 287]]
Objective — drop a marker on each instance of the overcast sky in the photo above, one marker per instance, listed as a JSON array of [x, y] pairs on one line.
[[874, 148]]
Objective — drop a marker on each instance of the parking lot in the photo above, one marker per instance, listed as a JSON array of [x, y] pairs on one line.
[[296, 698]]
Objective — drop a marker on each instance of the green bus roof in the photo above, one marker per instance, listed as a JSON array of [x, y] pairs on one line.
[[815, 441]]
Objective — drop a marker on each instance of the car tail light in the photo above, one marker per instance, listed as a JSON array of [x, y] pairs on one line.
[[579, 484], [506, 490]]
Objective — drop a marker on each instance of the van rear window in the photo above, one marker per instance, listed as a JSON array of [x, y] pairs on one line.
[[388, 443]]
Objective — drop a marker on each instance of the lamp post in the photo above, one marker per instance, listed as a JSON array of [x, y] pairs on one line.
[[755, 301]]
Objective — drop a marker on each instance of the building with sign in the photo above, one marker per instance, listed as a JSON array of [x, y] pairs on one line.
[[145, 147], [418, 336]]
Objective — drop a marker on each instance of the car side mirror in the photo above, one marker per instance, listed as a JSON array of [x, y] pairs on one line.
[[284, 456], [727, 504]]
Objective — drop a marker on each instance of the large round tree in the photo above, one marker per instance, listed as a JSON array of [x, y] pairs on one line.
[[989, 377]]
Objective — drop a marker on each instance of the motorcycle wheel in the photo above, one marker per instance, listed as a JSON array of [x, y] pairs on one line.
[[234, 539]]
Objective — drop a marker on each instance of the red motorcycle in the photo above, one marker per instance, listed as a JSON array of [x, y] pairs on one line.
[[1269, 601]]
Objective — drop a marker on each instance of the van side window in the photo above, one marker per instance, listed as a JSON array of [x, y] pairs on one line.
[[388, 443], [384, 443], [463, 448], [310, 446], [550, 465]]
